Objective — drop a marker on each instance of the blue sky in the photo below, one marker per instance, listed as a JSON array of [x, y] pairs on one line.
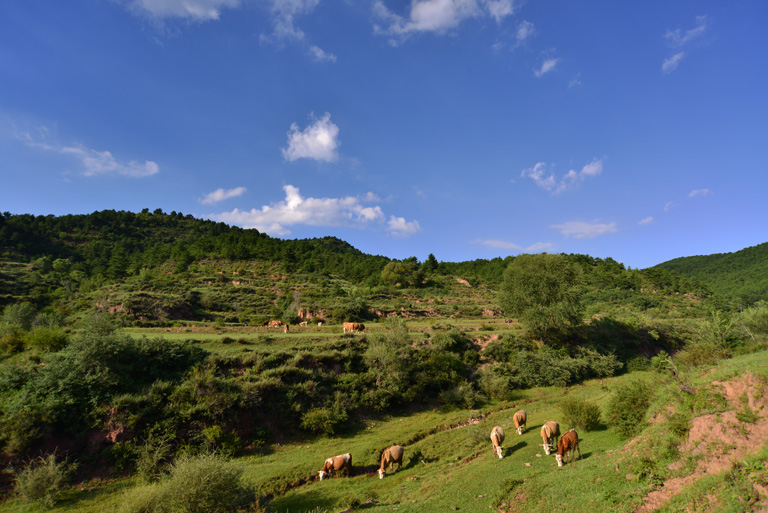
[[464, 128]]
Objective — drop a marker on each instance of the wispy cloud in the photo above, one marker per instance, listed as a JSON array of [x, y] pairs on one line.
[[221, 195], [525, 30], [94, 162], [671, 64], [195, 10], [575, 81], [436, 16], [583, 230], [320, 55], [353, 211], [318, 141], [669, 205], [399, 227], [699, 192], [547, 66], [647, 220], [547, 181], [501, 244], [678, 38]]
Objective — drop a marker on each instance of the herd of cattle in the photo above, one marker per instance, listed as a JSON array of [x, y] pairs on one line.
[[567, 446], [351, 327]]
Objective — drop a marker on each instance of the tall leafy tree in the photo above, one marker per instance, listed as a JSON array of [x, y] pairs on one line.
[[543, 291]]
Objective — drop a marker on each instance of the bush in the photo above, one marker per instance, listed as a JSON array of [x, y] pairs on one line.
[[205, 483], [42, 481], [152, 457], [47, 339], [627, 407], [494, 381], [580, 414]]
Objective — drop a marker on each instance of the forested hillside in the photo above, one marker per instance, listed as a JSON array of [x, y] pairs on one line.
[[742, 275]]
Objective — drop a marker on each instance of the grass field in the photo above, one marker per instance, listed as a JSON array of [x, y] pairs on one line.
[[449, 465]]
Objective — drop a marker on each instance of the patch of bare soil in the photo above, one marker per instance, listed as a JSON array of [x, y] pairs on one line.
[[483, 341], [720, 439]]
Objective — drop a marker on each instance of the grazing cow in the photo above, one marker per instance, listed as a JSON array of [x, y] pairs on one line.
[[339, 463], [285, 328], [275, 324], [520, 418], [550, 432], [389, 457], [497, 438], [568, 444], [303, 323], [354, 327], [265, 323]]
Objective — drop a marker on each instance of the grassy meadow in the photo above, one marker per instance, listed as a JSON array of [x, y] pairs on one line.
[[449, 465]]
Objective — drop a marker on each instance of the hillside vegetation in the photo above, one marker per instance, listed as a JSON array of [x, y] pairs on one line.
[[742, 275], [134, 358]]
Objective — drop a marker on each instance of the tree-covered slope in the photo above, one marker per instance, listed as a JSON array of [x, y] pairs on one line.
[[741, 275]]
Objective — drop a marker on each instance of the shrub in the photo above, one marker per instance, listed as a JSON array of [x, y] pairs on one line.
[[226, 443], [627, 407], [580, 414], [462, 395], [152, 457], [205, 483], [495, 382], [46, 339], [42, 481]]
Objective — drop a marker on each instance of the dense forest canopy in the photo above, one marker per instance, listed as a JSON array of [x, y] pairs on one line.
[[742, 275]]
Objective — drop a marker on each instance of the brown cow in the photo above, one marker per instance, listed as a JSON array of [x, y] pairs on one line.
[[303, 323], [520, 418], [550, 432], [568, 444], [338, 463], [275, 324], [389, 457], [497, 438], [354, 327]]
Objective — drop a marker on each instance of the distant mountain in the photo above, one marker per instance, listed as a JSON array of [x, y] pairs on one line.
[[741, 275]]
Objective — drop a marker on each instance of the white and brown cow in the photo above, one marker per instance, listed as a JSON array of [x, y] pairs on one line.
[[354, 327], [567, 446], [497, 438], [336, 463], [550, 432], [275, 324], [520, 418], [303, 323], [389, 457]]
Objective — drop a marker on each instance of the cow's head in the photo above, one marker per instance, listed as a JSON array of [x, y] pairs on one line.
[[520, 430], [499, 451], [381, 474], [548, 448], [559, 460], [323, 473]]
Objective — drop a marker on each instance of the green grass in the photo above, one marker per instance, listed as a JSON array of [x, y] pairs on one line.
[[456, 469]]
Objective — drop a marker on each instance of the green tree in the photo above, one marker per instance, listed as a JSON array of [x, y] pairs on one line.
[[543, 291]]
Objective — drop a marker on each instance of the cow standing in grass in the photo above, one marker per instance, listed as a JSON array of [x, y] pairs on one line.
[[520, 418], [568, 445], [550, 432], [497, 438], [389, 457], [354, 327], [336, 463]]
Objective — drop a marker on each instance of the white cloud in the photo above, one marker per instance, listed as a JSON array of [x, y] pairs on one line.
[[547, 66], [647, 220], [221, 195], [94, 162], [276, 218], [699, 192], [320, 55], [197, 10], [546, 180], [582, 230], [400, 227], [671, 64], [575, 81], [525, 29], [500, 244], [437, 16], [669, 206], [677, 38], [318, 141]]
